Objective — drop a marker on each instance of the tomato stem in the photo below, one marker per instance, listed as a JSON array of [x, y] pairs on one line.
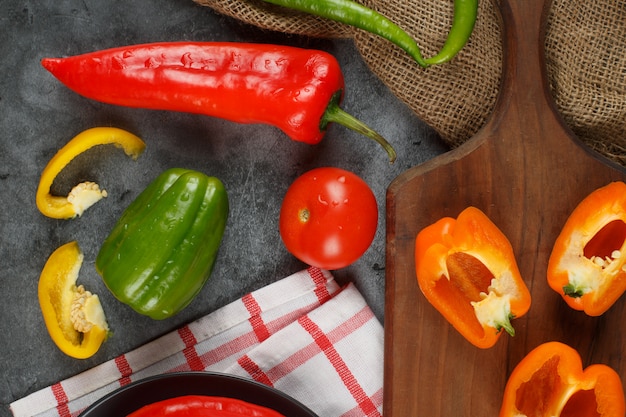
[[304, 215]]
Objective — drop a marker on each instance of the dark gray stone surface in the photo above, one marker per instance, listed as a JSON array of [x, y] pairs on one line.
[[257, 163]]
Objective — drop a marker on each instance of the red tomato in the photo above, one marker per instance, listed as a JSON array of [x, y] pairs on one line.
[[328, 218]]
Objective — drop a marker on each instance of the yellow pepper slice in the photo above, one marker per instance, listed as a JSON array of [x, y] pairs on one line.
[[85, 194], [74, 317]]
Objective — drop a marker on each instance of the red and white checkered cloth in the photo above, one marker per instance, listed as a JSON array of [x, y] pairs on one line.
[[304, 335]]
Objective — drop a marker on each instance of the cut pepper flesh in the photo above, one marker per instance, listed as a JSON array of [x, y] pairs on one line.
[[587, 266], [550, 381], [466, 269], [73, 316], [87, 193]]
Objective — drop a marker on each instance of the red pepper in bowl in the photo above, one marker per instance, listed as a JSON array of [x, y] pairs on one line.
[[201, 405], [297, 90]]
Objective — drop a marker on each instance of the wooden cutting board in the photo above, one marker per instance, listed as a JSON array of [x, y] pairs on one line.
[[527, 172]]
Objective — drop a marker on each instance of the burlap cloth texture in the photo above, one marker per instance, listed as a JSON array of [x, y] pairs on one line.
[[585, 57]]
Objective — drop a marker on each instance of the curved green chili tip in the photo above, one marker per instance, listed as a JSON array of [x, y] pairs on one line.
[[354, 14], [465, 13]]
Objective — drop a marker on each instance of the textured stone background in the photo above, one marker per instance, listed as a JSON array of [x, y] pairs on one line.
[[38, 115]]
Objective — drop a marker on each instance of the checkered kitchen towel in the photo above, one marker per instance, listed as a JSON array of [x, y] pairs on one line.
[[303, 335]]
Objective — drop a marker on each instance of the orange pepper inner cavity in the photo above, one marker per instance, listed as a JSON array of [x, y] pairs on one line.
[[582, 404], [609, 239], [468, 278], [538, 396], [532, 397]]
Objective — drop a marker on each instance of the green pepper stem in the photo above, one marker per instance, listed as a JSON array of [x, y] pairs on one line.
[[335, 114], [572, 291], [507, 326]]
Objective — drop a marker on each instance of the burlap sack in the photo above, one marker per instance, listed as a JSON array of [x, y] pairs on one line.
[[585, 54], [586, 62], [455, 98]]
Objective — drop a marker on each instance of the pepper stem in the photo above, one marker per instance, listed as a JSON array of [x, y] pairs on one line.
[[572, 290], [334, 113], [507, 326]]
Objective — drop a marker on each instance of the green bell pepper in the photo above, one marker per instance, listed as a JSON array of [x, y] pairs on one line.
[[162, 250]]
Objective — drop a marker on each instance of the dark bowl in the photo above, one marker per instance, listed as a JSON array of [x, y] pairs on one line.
[[135, 395]]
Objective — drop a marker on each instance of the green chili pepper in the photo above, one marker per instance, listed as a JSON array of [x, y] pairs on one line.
[[162, 250], [465, 13], [354, 14]]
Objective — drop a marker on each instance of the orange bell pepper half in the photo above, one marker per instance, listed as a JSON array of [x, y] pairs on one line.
[[550, 381], [587, 266], [466, 269], [85, 194]]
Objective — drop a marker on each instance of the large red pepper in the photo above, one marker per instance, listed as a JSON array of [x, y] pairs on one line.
[[587, 266], [550, 381], [466, 269], [297, 90], [203, 406]]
